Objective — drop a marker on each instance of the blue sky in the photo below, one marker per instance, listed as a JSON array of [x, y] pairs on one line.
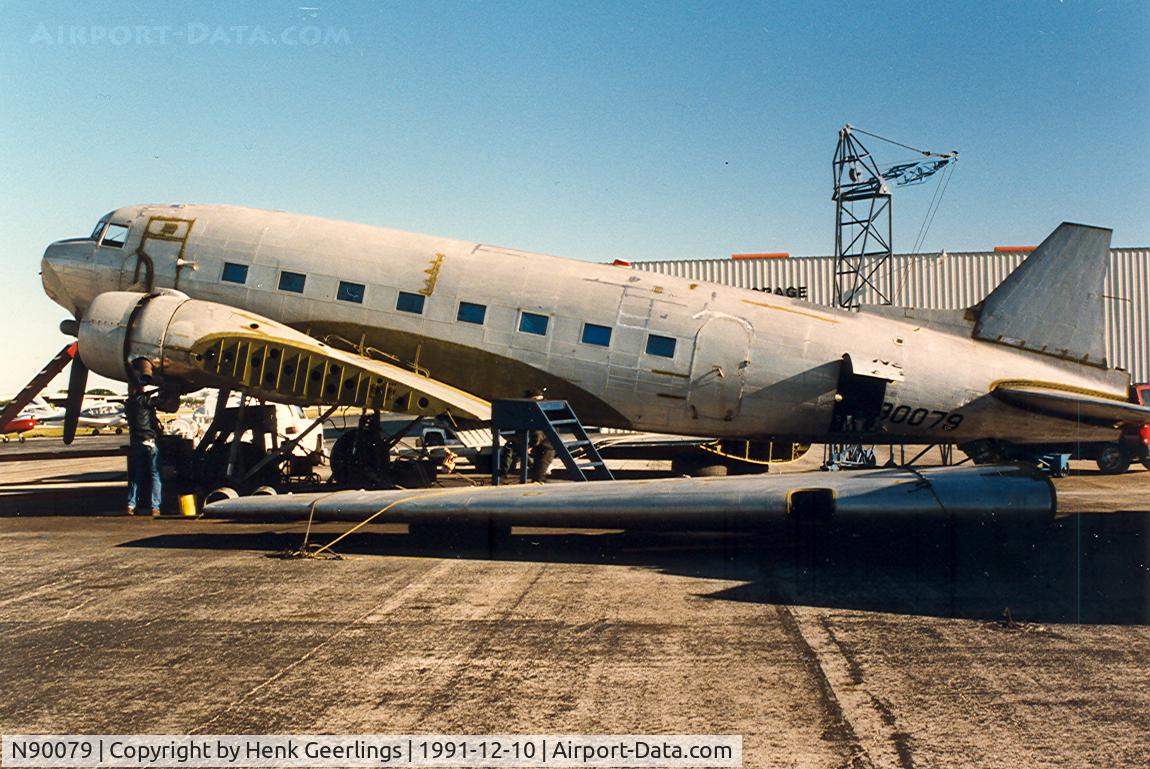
[[640, 130]]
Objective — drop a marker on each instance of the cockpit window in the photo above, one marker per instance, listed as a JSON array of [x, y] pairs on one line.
[[115, 235], [96, 233]]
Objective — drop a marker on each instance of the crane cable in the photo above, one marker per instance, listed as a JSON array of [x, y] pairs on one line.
[[928, 220], [924, 153]]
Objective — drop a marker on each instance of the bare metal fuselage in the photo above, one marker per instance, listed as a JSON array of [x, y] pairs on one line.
[[744, 364]]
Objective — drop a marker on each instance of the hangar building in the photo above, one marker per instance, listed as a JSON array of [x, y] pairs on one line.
[[942, 281]]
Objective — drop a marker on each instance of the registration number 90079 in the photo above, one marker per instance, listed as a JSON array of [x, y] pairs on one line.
[[930, 419]]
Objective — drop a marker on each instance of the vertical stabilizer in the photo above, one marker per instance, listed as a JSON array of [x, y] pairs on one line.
[[1052, 302]]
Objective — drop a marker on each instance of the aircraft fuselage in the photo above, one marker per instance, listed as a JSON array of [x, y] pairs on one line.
[[627, 348]]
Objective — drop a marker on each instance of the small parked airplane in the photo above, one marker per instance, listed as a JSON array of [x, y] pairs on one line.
[[39, 411], [97, 413], [18, 426]]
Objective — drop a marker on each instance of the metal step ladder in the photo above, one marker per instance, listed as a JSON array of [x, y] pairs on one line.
[[38, 383], [514, 420]]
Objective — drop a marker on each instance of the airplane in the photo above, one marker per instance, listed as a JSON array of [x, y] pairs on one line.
[[17, 426], [304, 310], [35, 413], [105, 415], [42, 409], [96, 413]]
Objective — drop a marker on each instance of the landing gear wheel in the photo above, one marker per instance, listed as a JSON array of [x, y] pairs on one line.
[[1112, 460]]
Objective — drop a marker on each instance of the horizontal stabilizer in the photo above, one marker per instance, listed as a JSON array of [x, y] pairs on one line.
[[1052, 302], [1069, 404]]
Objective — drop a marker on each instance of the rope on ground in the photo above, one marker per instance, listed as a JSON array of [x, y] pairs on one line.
[[306, 550]]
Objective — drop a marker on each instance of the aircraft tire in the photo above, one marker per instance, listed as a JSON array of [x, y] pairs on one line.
[[1112, 460]]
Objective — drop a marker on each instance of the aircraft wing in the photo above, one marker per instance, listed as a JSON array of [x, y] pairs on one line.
[[336, 376], [1070, 404], [441, 394], [208, 344], [716, 504]]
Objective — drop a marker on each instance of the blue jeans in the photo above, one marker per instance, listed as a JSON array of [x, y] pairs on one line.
[[145, 467]]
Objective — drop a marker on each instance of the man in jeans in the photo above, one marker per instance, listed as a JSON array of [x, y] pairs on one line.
[[143, 429]]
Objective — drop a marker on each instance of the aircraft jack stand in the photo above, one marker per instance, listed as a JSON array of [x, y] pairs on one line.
[[1055, 465], [846, 456]]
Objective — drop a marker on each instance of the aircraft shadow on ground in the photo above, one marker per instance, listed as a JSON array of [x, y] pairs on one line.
[[1091, 568], [94, 476]]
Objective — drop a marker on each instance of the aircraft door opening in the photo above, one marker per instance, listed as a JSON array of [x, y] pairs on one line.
[[159, 257], [718, 369], [859, 400]]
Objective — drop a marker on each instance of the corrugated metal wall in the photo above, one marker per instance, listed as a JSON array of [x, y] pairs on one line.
[[946, 281]]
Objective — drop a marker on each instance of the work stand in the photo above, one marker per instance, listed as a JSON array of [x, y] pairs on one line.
[[514, 420]]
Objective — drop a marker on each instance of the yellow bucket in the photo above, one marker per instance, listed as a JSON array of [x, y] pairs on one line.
[[188, 505]]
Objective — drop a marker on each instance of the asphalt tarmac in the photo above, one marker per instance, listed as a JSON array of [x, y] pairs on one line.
[[917, 644]]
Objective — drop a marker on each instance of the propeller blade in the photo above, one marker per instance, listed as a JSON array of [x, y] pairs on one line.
[[77, 381]]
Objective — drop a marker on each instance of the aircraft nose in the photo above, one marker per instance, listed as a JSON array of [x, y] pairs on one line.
[[53, 282], [65, 271]]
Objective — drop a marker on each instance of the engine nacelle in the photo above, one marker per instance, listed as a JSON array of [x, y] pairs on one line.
[[196, 343], [120, 326]]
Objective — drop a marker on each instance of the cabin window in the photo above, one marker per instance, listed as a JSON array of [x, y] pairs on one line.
[[596, 335], [409, 302], [234, 273], [532, 323], [350, 292], [663, 346], [115, 235], [469, 312], [292, 281]]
